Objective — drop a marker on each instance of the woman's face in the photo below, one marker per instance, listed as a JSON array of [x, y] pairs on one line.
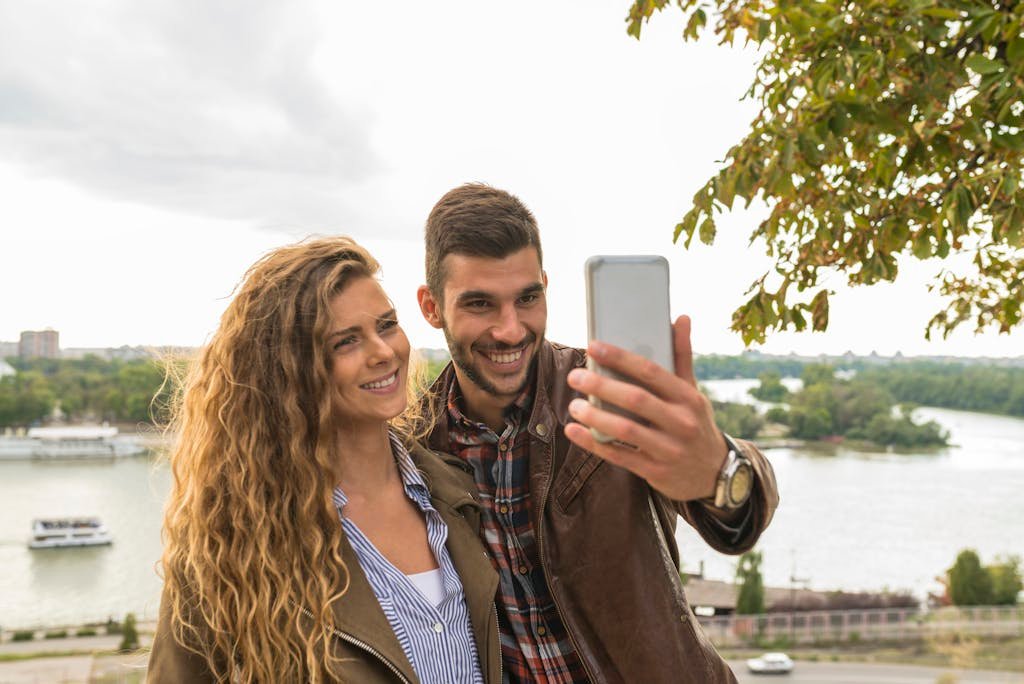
[[369, 354]]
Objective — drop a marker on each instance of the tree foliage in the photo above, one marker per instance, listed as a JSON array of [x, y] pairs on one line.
[[858, 408], [770, 388], [738, 420], [887, 130], [130, 635], [89, 388], [1006, 580], [969, 583], [750, 600]]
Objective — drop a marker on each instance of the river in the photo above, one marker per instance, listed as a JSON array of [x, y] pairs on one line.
[[847, 519]]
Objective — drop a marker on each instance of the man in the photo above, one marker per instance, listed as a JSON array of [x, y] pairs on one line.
[[581, 533]]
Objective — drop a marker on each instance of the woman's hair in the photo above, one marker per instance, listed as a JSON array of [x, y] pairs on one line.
[[252, 540]]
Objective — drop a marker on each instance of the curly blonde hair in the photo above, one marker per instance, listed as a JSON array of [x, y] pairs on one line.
[[252, 540]]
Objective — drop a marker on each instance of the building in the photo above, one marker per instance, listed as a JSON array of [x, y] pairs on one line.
[[36, 344], [8, 349]]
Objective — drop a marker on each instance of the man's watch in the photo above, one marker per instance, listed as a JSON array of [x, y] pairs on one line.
[[735, 480]]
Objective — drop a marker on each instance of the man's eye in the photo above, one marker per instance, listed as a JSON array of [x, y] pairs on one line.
[[477, 304], [529, 299], [388, 324]]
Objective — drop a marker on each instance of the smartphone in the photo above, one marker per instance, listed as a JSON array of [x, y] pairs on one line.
[[628, 306]]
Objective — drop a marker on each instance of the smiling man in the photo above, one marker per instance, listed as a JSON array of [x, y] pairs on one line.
[[581, 533]]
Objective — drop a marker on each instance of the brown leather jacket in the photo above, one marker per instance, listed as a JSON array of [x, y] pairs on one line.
[[607, 546], [364, 638]]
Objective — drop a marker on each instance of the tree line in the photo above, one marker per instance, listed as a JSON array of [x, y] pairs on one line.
[[89, 388], [857, 408], [963, 386], [967, 583]]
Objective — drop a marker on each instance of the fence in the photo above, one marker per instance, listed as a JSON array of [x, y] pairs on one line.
[[864, 625]]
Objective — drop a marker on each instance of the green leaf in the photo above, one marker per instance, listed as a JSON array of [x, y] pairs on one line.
[[707, 231], [686, 227], [697, 21], [1011, 142], [819, 311], [941, 13], [922, 245], [1015, 51], [983, 65]]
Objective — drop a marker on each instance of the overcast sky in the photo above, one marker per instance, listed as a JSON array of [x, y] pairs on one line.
[[150, 152]]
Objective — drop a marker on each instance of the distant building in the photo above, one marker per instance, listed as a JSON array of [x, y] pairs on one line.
[[39, 344], [122, 353], [8, 349]]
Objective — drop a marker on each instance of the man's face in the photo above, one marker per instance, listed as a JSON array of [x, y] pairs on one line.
[[494, 313]]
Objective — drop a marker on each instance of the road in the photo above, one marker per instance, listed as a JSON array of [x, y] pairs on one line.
[[866, 673], [80, 669]]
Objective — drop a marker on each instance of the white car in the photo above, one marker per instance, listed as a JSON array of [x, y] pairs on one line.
[[771, 663]]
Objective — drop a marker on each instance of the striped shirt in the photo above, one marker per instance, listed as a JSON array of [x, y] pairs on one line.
[[535, 645], [437, 640]]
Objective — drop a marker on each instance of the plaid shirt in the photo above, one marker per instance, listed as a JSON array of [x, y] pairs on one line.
[[535, 646]]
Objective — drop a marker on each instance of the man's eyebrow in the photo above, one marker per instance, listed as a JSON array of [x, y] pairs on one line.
[[470, 295], [388, 315], [536, 288]]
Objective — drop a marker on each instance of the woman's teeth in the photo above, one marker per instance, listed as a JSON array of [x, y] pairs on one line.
[[381, 384]]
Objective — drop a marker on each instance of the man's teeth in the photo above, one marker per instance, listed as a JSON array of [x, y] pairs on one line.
[[505, 357], [380, 384]]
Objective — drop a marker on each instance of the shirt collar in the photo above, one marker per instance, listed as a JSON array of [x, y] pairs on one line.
[[412, 479], [516, 412]]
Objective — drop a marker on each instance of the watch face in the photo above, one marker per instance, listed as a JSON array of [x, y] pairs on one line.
[[742, 482]]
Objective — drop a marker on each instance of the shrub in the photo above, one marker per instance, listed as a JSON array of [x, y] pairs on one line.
[[86, 632], [23, 635], [56, 634], [130, 638]]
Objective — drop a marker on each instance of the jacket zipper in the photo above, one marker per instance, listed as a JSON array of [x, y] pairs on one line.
[[501, 663], [543, 562], [344, 636]]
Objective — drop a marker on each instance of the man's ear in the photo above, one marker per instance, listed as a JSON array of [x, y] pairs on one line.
[[544, 278], [429, 307]]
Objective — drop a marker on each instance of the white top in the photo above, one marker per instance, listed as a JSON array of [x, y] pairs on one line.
[[430, 584]]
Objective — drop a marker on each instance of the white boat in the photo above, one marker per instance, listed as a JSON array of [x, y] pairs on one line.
[[69, 442], [53, 533]]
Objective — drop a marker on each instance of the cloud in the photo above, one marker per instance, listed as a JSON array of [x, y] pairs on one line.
[[211, 108]]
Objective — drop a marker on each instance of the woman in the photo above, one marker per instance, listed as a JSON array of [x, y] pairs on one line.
[[302, 542]]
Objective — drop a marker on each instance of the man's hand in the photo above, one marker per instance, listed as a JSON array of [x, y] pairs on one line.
[[680, 451]]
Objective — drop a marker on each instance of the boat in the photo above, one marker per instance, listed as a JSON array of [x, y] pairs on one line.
[[69, 442], [53, 533]]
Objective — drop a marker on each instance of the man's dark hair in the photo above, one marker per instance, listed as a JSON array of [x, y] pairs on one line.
[[480, 221]]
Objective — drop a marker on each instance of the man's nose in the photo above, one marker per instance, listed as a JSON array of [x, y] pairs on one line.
[[509, 328]]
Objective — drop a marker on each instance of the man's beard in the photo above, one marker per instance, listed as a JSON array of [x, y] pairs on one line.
[[463, 358]]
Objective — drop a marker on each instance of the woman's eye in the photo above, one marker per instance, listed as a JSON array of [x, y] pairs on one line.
[[344, 342]]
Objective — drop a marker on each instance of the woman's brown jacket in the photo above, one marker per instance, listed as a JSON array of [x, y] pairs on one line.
[[363, 636]]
